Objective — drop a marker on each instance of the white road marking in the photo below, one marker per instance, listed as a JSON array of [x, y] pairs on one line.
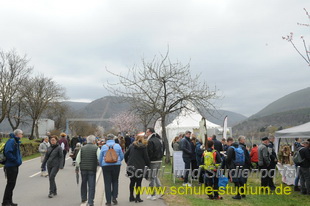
[[35, 174]]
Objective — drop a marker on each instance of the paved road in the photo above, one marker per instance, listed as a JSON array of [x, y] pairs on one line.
[[32, 189]]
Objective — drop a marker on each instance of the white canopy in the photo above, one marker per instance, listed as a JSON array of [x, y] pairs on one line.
[[186, 120], [301, 131]]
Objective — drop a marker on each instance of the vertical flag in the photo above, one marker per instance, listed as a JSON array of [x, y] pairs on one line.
[[225, 128]]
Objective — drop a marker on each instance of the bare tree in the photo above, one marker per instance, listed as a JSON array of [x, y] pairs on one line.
[[16, 112], [289, 38], [39, 93], [146, 118], [162, 87], [14, 70], [58, 111], [82, 128], [125, 122]]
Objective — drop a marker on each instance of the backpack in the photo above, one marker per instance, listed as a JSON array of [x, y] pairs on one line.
[[222, 182], [62, 146], [2, 155], [111, 155], [209, 159], [297, 158], [239, 156]]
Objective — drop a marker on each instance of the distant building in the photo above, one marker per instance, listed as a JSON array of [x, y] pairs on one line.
[[45, 125]]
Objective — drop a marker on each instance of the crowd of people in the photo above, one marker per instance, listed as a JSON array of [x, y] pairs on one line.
[[229, 155], [146, 150], [143, 150]]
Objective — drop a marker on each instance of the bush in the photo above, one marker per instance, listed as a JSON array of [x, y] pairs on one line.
[[29, 148]]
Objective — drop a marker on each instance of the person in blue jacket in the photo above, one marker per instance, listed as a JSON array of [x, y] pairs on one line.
[[111, 170], [12, 163]]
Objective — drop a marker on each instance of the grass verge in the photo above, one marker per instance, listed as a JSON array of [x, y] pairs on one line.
[[29, 157], [295, 198]]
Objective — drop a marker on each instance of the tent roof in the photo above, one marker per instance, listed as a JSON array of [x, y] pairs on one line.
[[191, 120], [302, 131]]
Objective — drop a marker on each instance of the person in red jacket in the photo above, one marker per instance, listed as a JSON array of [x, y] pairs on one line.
[[254, 156]]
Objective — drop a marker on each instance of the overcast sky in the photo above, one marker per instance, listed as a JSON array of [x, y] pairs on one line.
[[236, 44]]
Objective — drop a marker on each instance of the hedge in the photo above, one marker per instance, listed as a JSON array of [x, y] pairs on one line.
[[29, 148]]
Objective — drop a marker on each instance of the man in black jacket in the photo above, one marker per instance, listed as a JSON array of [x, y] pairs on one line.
[[304, 170], [217, 144], [187, 152], [273, 162], [155, 152]]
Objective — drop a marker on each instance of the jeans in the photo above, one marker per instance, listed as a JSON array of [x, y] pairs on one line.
[[154, 180], [297, 177], [11, 174], [187, 162], [304, 174], [110, 176], [88, 182], [52, 172]]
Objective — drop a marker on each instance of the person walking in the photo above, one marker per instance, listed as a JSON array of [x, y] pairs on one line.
[[254, 156], [53, 161], [194, 164], [111, 170], [176, 143], [247, 161], [296, 147], [63, 143], [155, 151], [304, 170], [87, 161], [264, 161], [43, 149], [217, 144], [187, 154], [11, 166], [137, 159], [235, 161], [74, 141], [212, 162], [273, 162]]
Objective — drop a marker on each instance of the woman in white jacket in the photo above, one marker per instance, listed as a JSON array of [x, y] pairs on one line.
[[43, 149]]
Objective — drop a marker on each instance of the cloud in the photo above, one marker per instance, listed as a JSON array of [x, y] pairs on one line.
[[235, 45]]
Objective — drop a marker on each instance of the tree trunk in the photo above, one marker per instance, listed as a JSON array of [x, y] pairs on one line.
[[32, 129], [165, 139], [37, 129]]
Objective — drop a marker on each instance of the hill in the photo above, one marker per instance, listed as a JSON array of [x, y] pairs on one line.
[[290, 110], [262, 126], [75, 106], [108, 106], [293, 101]]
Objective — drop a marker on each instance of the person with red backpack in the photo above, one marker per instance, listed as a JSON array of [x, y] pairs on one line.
[[212, 161], [235, 161]]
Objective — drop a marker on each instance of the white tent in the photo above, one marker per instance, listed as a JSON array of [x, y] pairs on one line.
[[301, 131], [186, 120]]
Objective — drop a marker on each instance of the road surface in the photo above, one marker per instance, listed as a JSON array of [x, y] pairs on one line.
[[32, 189]]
